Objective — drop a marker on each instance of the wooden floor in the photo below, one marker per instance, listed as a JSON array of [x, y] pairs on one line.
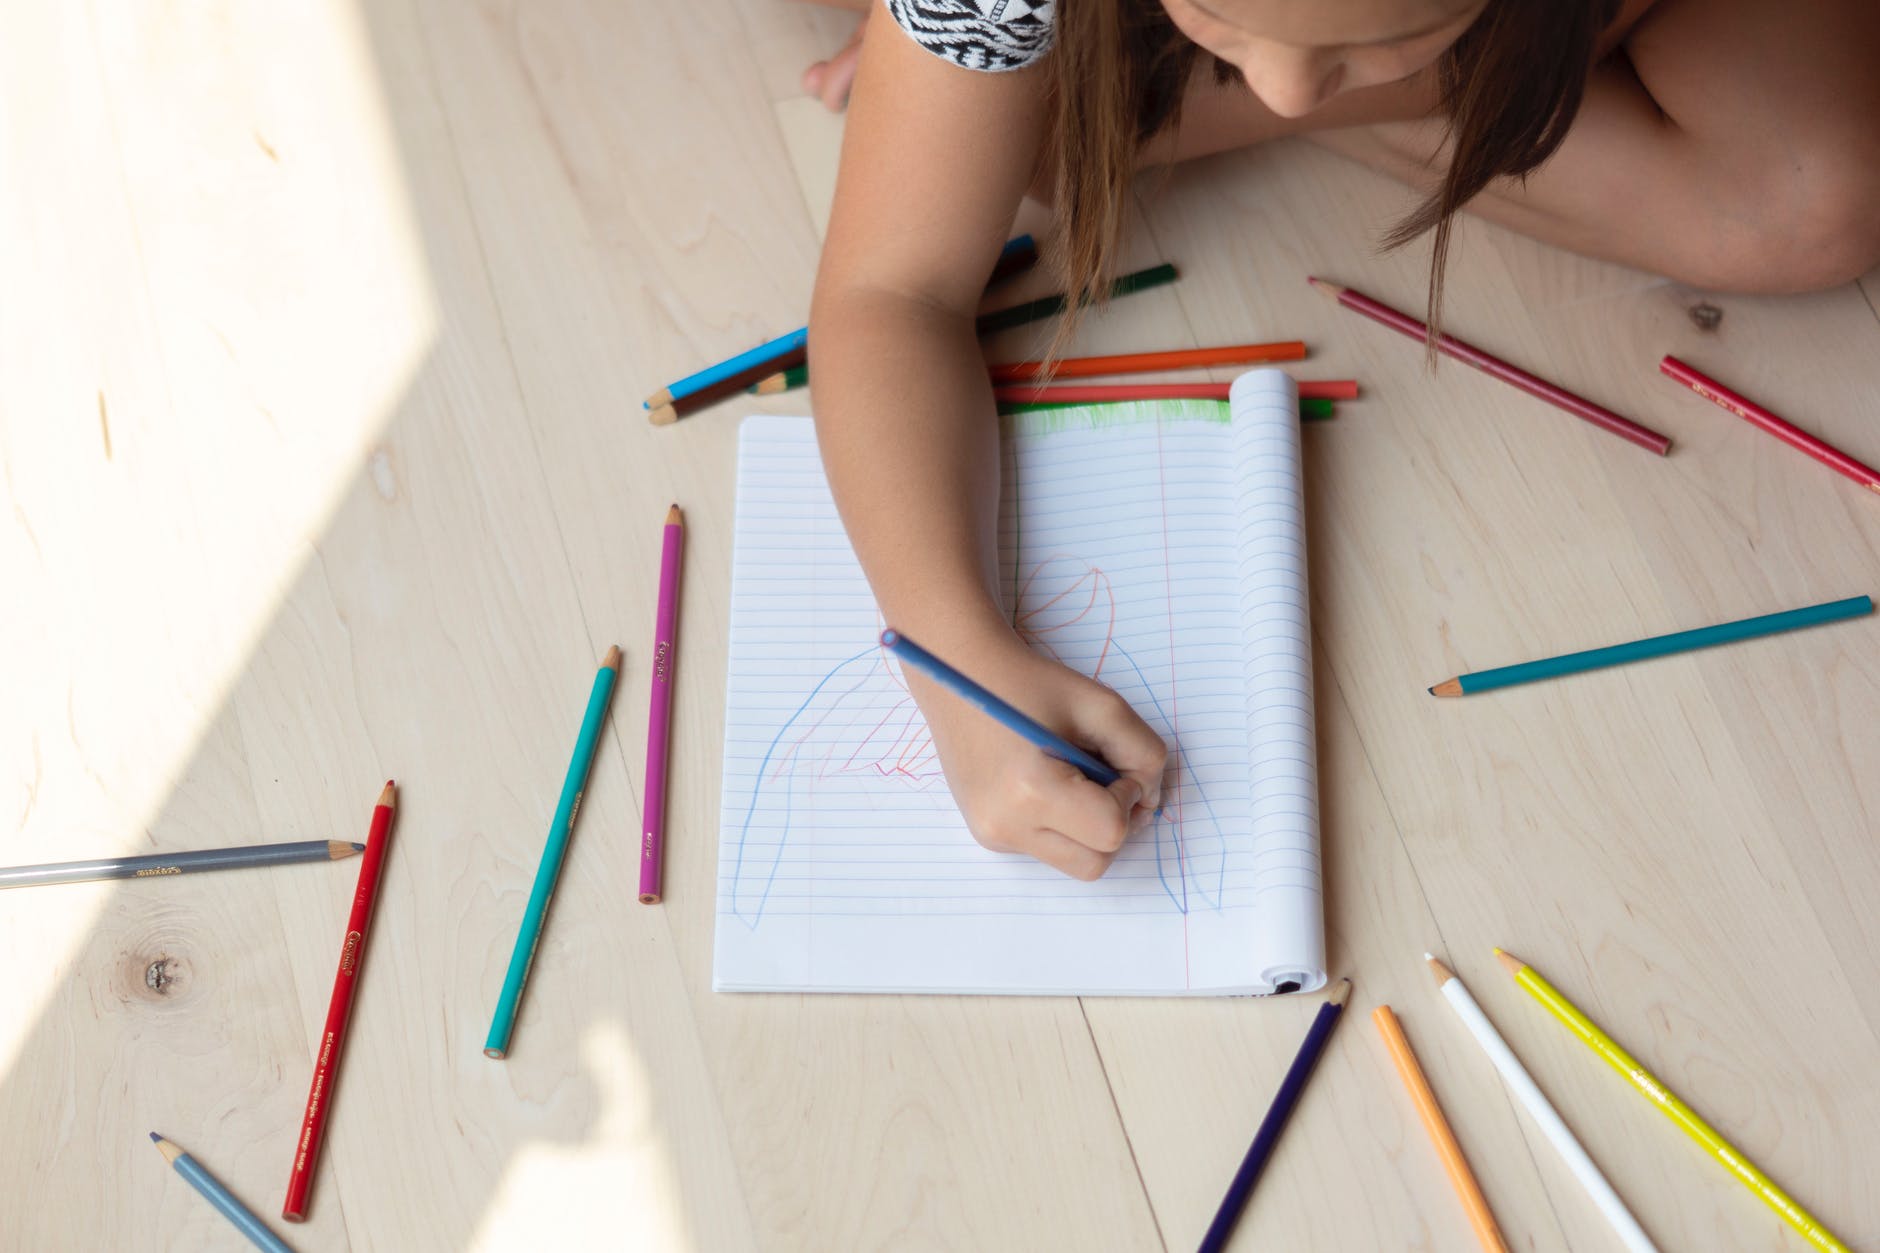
[[322, 336]]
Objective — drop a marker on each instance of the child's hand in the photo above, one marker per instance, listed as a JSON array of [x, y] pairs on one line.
[[1018, 799]]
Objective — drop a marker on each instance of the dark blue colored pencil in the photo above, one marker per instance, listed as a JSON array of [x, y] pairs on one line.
[[1267, 1137], [1095, 768]]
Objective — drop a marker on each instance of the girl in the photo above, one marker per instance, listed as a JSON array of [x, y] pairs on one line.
[[1725, 143]]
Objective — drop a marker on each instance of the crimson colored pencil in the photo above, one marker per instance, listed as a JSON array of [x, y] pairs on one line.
[[1143, 362], [338, 1010], [1449, 345], [1794, 436], [1101, 393]]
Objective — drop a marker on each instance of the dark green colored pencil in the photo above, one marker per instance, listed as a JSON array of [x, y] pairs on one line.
[[1051, 306]]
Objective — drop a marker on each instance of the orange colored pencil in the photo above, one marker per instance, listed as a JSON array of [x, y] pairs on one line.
[[1099, 393], [1142, 362], [1460, 1176]]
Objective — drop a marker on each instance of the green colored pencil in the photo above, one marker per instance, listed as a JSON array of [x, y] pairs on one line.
[[1051, 306], [1657, 646], [503, 1025]]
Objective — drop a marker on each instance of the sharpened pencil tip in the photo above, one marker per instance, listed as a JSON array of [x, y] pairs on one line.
[[612, 660], [1341, 992], [155, 1138], [1514, 964], [1443, 973], [674, 517]]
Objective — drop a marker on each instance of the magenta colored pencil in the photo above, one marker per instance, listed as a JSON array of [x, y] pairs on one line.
[[665, 654]]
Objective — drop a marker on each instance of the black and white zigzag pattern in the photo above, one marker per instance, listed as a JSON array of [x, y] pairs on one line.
[[978, 34]]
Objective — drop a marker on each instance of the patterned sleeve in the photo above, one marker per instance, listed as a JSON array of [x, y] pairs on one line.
[[978, 34]]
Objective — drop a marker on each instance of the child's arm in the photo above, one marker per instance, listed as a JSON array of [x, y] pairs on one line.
[[934, 163]]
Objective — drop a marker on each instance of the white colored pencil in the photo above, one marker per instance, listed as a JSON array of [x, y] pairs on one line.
[[1532, 1099]]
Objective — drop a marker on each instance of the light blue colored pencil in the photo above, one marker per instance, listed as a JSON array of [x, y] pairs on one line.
[[219, 1196], [725, 369], [503, 1025], [775, 348], [1095, 768], [1657, 646]]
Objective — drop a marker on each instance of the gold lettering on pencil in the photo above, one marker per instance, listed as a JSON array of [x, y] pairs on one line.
[[646, 846], [146, 873], [575, 808], [662, 659], [348, 956]]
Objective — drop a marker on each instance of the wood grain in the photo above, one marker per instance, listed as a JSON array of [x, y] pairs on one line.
[[321, 461]]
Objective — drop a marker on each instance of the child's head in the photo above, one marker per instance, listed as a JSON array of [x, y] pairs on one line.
[[1510, 74], [1295, 54]]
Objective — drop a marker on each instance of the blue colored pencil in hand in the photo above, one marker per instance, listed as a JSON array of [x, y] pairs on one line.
[[911, 654]]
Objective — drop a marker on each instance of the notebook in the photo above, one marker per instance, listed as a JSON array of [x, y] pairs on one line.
[[1157, 547]]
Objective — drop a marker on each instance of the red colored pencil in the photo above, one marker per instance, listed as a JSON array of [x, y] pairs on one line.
[[338, 1010], [1098, 393], [1717, 394], [1449, 345], [1142, 362]]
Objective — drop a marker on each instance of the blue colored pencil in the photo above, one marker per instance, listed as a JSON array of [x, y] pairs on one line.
[[1267, 1137], [1657, 646], [219, 1196], [548, 872], [778, 347], [1095, 768], [781, 346]]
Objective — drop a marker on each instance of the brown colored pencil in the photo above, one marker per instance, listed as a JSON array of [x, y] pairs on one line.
[[672, 410], [1514, 375]]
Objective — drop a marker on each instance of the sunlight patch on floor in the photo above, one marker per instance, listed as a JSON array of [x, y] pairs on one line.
[[618, 1189], [228, 299]]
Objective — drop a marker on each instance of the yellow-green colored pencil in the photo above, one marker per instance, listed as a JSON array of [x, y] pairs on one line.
[[1569, 1016]]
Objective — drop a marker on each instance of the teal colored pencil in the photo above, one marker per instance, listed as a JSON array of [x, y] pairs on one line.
[[523, 956], [1657, 646], [219, 1196]]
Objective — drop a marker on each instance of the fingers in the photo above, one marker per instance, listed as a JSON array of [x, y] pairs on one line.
[[1096, 817], [1080, 826], [1067, 856], [1108, 725]]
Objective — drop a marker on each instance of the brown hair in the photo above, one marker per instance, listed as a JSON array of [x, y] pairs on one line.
[[1509, 86]]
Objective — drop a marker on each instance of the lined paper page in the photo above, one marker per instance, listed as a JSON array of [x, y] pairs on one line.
[[1283, 835], [844, 864]]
